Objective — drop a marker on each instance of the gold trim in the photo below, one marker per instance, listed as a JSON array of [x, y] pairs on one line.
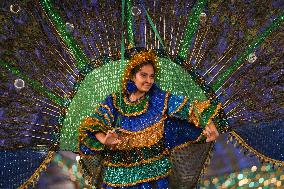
[[94, 149], [192, 117], [252, 150], [215, 113], [201, 106], [144, 138], [166, 103], [180, 106], [141, 181], [187, 143], [144, 130], [90, 121], [143, 161], [129, 114], [82, 136], [81, 139], [36, 174], [132, 103], [108, 109], [85, 126], [105, 117]]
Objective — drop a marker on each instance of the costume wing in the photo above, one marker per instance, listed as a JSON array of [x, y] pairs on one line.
[[58, 59], [36, 74]]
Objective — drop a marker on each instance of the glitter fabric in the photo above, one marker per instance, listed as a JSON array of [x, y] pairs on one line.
[[80, 57], [91, 93], [71, 56], [143, 126], [191, 27], [35, 84], [23, 162], [115, 176], [128, 109]]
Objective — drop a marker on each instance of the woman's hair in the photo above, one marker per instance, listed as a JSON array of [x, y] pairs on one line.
[[139, 66]]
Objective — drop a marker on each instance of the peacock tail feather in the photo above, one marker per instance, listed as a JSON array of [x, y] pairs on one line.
[[59, 59]]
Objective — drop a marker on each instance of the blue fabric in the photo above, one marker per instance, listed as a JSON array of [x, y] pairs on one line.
[[17, 166], [174, 102], [178, 132], [162, 183], [183, 112], [269, 146], [151, 116], [87, 151]]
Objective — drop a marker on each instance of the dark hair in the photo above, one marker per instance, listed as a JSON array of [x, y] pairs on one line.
[[138, 67]]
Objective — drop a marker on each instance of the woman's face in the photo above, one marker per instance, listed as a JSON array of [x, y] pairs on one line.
[[144, 78]]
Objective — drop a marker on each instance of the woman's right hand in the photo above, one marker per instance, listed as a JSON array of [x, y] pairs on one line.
[[111, 138]]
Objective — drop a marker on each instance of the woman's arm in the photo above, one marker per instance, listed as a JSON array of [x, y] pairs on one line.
[[181, 107], [95, 131]]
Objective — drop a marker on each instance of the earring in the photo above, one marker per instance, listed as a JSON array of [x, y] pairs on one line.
[[131, 87]]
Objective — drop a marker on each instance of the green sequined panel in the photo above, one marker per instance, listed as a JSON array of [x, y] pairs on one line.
[[136, 174]]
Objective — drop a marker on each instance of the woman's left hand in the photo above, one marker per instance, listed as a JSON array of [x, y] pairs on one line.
[[210, 132]]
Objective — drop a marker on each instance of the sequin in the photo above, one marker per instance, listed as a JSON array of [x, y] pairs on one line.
[[143, 147]]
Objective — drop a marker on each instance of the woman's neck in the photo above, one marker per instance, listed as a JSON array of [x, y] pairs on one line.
[[135, 96]]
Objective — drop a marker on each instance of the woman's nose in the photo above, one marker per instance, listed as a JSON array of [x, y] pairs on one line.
[[148, 79]]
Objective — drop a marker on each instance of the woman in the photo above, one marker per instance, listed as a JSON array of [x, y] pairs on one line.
[[136, 129]]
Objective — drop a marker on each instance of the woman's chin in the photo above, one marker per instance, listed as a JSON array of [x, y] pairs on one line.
[[143, 90], [146, 89]]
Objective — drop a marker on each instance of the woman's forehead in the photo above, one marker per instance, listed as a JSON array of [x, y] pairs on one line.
[[148, 68]]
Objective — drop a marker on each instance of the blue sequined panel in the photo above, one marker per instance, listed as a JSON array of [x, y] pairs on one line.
[[174, 102], [178, 132], [159, 184], [150, 117], [270, 147], [22, 162]]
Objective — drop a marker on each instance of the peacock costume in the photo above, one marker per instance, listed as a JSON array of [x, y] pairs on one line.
[[151, 127], [59, 60]]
